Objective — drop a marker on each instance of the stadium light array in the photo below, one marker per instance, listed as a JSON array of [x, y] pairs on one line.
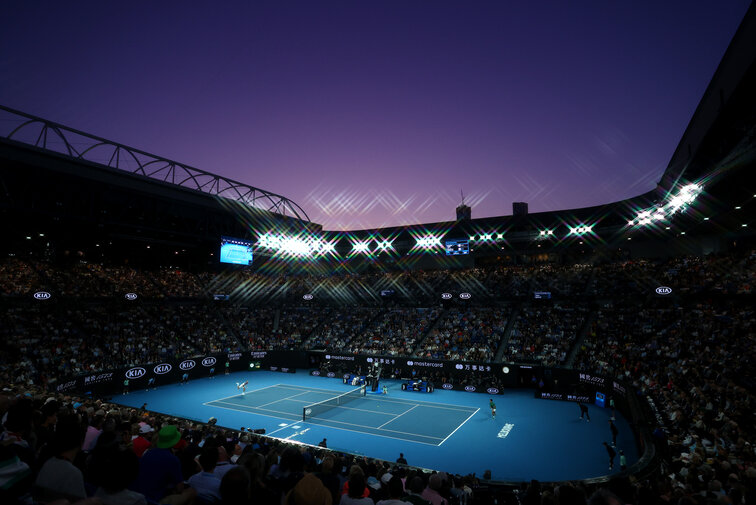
[[581, 229], [295, 246], [678, 202], [384, 245], [684, 197], [361, 247], [430, 241], [544, 234], [427, 242]]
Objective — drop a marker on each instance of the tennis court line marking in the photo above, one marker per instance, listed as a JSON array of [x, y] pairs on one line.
[[458, 427], [385, 399], [339, 422], [239, 394], [397, 417], [283, 428], [280, 400], [299, 420]]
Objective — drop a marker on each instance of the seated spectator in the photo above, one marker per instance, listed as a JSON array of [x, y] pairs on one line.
[[395, 491], [355, 494], [160, 477], [415, 491], [206, 483], [116, 470], [59, 478], [143, 441], [432, 491], [235, 487], [309, 491]]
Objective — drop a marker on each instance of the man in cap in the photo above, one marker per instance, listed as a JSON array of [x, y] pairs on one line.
[[143, 441], [160, 478]]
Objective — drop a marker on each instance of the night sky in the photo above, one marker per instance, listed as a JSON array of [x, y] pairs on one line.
[[378, 113]]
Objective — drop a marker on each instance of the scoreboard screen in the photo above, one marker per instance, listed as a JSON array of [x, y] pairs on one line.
[[457, 247], [235, 250]]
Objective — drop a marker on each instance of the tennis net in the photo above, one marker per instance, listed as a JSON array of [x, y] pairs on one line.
[[317, 409]]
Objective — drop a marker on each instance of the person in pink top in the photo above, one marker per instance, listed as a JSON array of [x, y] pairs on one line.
[[93, 431], [431, 493]]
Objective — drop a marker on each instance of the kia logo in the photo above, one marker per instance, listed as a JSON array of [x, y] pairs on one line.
[[447, 386], [446, 296], [663, 290], [162, 368], [492, 391], [209, 361], [330, 374], [465, 296], [410, 363], [187, 365], [135, 373], [328, 356], [130, 296], [369, 360], [316, 372], [273, 368], [308, 296], [285, 370], [42, 295], [459, 366], [470, 388]]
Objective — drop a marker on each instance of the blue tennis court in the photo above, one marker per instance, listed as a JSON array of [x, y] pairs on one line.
[[445, 430], [379, 415]]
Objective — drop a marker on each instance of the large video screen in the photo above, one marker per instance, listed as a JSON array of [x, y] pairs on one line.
[[457, 246], [235, 250]]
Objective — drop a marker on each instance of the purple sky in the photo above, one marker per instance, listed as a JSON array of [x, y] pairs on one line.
[[377, 113]]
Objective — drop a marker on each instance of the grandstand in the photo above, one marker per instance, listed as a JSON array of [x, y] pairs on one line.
[[111, 287]]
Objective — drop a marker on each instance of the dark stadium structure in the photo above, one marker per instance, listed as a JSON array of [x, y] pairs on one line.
[[89, 219]]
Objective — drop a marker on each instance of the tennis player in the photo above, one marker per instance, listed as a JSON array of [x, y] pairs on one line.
[[242, 386], [493, 408]]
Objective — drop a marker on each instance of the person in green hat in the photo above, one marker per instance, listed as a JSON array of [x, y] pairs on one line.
[[160, 470]]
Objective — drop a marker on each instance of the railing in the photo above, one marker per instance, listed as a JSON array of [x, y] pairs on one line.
[[41, 133]]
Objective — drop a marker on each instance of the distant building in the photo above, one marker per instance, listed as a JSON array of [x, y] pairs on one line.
[[464, 213], [519, 208]]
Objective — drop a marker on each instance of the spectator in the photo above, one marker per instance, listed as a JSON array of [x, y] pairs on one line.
[[432, 492], [415, 491], [309, 491], [59, 478], [117, 469], [206, 483], [235, 487], [356, 492], [395, 492], [160, 477]]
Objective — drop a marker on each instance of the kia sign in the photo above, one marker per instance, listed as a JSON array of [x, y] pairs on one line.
[[308, 296], [135, 373], [470, 389], [663, 290], [42, 295], [446, 296], [492, 391], [187, 364], [130, 296], [316, 372], [330, 374], [162, 368], [465, 296], [446, 385], [209, 361]]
